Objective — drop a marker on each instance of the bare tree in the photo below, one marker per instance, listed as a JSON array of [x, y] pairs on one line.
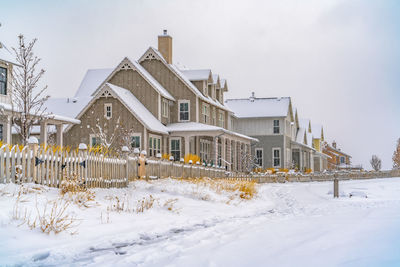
[[376, 163], [106, 133], [27, 102], [396, 156]]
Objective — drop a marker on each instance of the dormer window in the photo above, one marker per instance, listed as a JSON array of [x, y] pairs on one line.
[[184, 108], [3, 81]]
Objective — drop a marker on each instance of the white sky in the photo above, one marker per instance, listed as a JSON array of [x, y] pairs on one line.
[[338, 60]]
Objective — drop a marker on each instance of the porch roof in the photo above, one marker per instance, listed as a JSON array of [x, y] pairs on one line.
[[200, 128]]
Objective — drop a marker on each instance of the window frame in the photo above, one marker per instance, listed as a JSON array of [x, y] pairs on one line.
[[340, 160], [140, 140], [221, 123], [205, 112], [276, 127], [153, 149], [174, 151], [4, 81], [257, 158], [183, 101], [91, 136], [273, 157], [164, 108], [108, 105]]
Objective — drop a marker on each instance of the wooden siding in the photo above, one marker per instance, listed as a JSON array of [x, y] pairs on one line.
[[140, 88], [174, 85]]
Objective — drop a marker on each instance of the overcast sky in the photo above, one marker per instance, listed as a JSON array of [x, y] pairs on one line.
[[338, 60]]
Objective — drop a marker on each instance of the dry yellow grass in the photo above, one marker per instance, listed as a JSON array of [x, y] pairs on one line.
[[247, 189]]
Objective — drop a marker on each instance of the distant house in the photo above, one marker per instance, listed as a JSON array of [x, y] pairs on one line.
[[165, 109], [337, 158], [7, 130]]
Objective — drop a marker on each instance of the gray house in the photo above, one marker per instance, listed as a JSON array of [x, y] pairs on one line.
[[271, 121]]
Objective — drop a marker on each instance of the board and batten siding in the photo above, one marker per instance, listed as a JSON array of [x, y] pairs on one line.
[[258, 126], [80, 133], [174, 85], [139, 87]]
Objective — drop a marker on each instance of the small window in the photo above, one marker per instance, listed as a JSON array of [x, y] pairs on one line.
[[176, 148], [221, 121], [1, 132], [342, 160], [94, 141], [276, 127], [276, 157], [259, 157], [108, 111], [135, 141], [184, 110], [3, 81], [206, 113], [164, 108]]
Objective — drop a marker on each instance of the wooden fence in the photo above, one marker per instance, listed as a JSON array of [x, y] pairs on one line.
[[45, 167]]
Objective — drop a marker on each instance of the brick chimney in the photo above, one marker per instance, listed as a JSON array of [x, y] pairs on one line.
[[165, 46]]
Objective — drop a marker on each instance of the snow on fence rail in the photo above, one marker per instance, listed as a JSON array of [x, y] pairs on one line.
[[46, 167]]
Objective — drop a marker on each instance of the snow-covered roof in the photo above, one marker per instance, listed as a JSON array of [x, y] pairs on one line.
[[66, 106], [259, 107], [300, 135], [200, 127], [183, 78], [316, 130], [197, 75], [6, 55], [223, 82], [215, 78], [137, 108], [305, 123], [92, 80]]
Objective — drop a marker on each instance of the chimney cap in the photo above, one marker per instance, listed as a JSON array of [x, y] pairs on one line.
[[165, 32]]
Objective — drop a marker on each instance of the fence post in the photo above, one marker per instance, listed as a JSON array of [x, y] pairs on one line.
[[33, 146], [171, 166], [335, 187], [183, 166], [159, 165], [125, 153], [84, 163]]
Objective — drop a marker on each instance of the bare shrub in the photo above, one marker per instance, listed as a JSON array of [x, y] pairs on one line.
[[376, 163], [145, 204], [169, 204], [72, 185]]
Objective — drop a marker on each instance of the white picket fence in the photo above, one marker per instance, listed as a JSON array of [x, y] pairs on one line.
[[45, 167]]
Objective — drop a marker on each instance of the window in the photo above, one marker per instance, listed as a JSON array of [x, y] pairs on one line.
[[276, 157], [108, 111], [259, 157], [164, 108], [154, 146], [276, 126], [206, 113], [221, 121], [135, 141], [94, 140], [176, 148], [214, 116], [184, 110], [3, 81], [205, 150], [1, 132], [342, 160]]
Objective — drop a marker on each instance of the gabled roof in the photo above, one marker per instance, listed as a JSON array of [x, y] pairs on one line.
[[7, 56], [92, 80], [197, 75], [136, 108], [306, 124], [152, 53], [216, 80], [259, 107], [317, 131], [300, 136], [126, 64], [224, 85]]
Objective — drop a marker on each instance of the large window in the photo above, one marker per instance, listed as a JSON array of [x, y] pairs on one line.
[[276, 127], [154, 146], [176, 148], [135, 141], [108, 111], [184, 106], [206, 113], [259, 157], [276, 157], [205, 150], [3, 81], [164, 108], [1, 132]]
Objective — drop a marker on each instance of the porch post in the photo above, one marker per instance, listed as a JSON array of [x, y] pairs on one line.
[[228, 154], [7, 131], [187, 145], [233, 151], [215, 151], [59, 137], [43, 133], [223, 156]]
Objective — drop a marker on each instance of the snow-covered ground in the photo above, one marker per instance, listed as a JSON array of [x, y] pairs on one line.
[[293, 224]]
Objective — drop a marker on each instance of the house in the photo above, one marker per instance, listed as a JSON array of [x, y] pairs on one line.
[[7, 64], [337, 158], [285, 141], [162, 109], [271, 121]]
